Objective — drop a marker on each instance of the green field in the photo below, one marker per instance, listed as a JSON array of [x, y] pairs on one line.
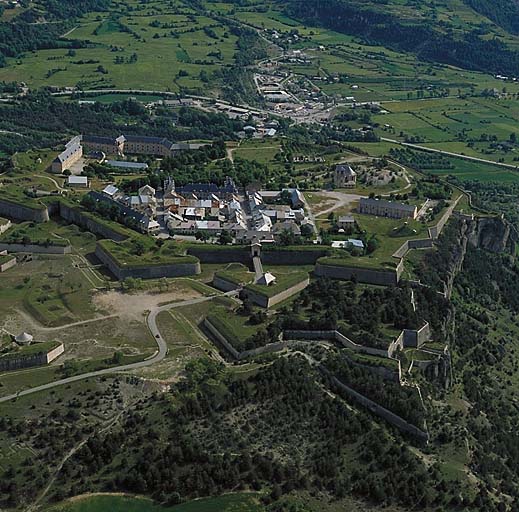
[[283, 282], [230, 503], [132, 47], [142, 250]]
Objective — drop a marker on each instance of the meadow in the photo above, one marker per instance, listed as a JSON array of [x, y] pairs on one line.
[[143, 46], [240, 502]]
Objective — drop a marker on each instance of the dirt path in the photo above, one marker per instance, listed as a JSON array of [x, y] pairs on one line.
[[28, 318], [341, 200], [67, 456]]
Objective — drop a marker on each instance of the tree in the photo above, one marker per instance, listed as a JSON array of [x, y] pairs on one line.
[[225, 238], [202, 236]]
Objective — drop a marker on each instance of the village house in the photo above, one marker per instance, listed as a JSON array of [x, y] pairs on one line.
[[344, 177], [72, 153], [382, 208]]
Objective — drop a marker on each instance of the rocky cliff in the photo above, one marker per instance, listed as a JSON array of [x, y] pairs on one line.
[[493, 234]]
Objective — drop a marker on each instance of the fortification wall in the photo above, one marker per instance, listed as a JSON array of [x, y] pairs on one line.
[[339, 338], [221, 339], [53, 354], [8, 264], [424, 243], [256, 298], [224, 285], [147, 272], [280, 297], [221, 255], [16, 363], [381, 371], [398, 344], [37, 249], [20, 212], [417, 337], [75, 216], [435, 231], [281, 257], [363, 275], [377, 409], [267, 302], [5, 227]]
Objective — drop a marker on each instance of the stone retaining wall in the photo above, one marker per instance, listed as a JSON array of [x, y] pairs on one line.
[[147, 272]]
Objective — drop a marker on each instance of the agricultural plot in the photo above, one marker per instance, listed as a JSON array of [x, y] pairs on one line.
[[149, 46]]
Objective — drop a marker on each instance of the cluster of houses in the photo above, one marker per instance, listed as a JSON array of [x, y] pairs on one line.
[[211, 209], [141, 208]]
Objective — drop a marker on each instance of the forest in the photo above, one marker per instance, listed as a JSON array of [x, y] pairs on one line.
[[44, 121], [361, 313], [276, 429], [24, 34], [376, 26]]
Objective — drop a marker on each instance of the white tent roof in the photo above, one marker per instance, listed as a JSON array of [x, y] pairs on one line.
[[23, 338], [266, 279]]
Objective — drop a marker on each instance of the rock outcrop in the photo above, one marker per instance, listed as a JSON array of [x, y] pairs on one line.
[[493, 234]]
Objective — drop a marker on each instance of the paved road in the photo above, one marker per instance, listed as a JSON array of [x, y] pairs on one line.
[[450, 153], [159, 355]]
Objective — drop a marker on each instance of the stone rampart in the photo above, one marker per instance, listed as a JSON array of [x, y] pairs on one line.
[[17, 362], [36, 249], [339, 338], [147, 272], [5, 227], [76, 216], [435, 231], [377, 409], [265, 301], [363, 275], [19, 211], [7, 264], [382, 371], [225, 286], [53, 354], [221, 339], [221, 255], [286, 257], [417, 337], [424, 243]]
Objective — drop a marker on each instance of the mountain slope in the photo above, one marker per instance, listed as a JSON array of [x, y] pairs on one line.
[[427, 32]]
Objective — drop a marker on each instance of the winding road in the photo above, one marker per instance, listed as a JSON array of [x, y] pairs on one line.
[[160, 354]]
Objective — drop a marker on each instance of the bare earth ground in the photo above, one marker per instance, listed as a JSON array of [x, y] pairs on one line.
[[135, 305], [332, 201]]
